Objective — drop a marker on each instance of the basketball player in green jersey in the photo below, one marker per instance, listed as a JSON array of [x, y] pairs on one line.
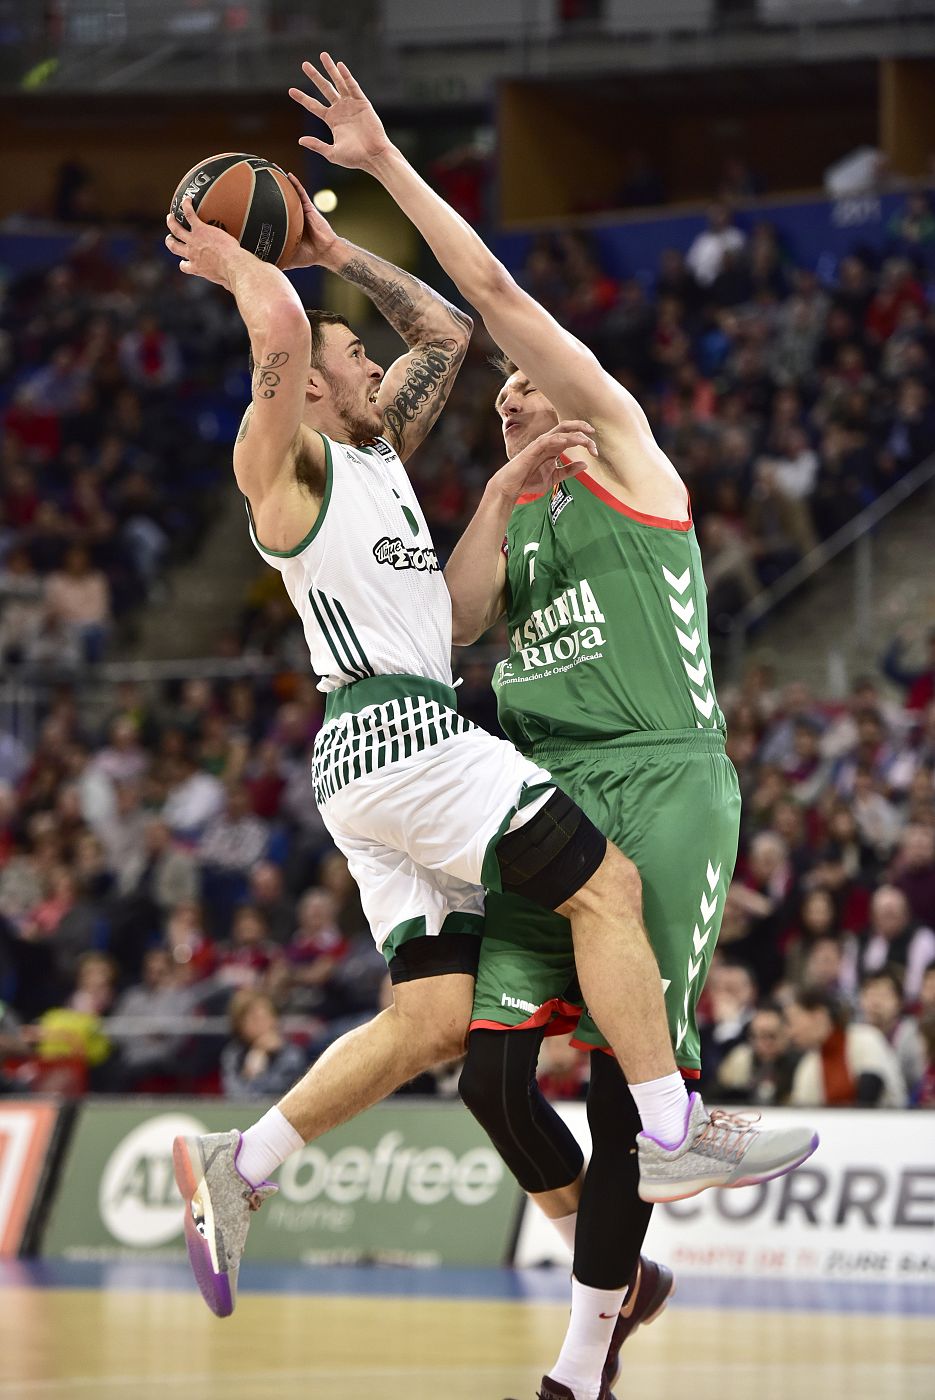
[[608, 681]]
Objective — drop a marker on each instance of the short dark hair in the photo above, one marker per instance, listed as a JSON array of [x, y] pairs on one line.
[[813, 999], [502, 363], [316, 319], [888, 973]]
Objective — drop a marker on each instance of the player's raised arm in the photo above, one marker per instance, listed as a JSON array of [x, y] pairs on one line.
[[280, 343], [415, 387], [476, 572], [557, 362]]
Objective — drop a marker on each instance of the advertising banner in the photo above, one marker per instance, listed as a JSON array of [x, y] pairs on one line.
[[26, 1129], [413, 1183], [863, 1207]]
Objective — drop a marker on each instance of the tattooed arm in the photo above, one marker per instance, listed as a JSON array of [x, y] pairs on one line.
[[415, 388], [280, 342]]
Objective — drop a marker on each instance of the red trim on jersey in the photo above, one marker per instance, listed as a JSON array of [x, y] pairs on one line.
[[656, 521], [562, 1018], [533, 496]]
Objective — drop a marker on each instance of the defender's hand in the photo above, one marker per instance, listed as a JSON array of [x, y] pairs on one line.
[[358, 135], [206, 251], [540, 466], [318, 237]]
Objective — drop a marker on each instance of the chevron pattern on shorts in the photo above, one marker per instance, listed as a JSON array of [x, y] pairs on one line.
[[690, 641], [707, 909]]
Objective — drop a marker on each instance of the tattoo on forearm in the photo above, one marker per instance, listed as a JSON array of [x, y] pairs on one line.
[[266, 377], [408, 304], [423, 392], [245, 424]]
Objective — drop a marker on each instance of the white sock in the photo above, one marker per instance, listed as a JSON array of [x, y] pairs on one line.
[[663, 1108], [581, 1360], [565, 1225], [266, 1146]]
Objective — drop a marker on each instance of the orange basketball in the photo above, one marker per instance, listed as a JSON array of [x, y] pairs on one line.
[[250, 198]]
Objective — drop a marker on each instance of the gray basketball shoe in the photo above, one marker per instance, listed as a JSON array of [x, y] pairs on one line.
[[218, 1202], [719, 1149]]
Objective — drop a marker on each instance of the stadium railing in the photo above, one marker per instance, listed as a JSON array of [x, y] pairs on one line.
[[857, 534]]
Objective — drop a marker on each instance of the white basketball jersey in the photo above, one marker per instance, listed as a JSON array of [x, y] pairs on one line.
[[366, 581]]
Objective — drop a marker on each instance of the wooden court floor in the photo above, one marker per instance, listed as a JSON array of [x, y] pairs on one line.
[[71, 1343]]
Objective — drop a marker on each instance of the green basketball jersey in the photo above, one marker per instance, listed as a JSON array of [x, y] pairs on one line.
[[607, 618]]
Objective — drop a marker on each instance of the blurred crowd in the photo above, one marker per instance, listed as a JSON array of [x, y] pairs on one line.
[[111, 442], [173, 915]]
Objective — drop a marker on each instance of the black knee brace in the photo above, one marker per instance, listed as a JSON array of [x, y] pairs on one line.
[[498, 1085], [551, 856]]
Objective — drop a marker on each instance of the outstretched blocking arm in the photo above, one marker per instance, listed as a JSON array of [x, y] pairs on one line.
[[416, 386], [280, 342], [556, 361]]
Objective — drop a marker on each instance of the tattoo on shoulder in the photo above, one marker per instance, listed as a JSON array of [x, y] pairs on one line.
[[423, 392], [245, 424], [266, 377]]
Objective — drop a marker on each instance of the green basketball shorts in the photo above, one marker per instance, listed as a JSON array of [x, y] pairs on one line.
[[669, 801]]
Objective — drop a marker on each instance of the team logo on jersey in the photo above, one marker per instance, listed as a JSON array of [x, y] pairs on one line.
[[398, 556], [561, 497], [562, 634]]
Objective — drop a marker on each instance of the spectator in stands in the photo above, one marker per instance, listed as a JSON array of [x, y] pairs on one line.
[[192, 950], [267, 894], [843, 1064], [881, 1005], [830, 967], [246, 957], [258, 1062], [925, 1097], [913, 872], [74, 1030], [22, 609], [917, 681], [236, 838], [898, 287], [894, 938], [764, 891], [760, 1068], [150, 357], [160, 870], [913, 226], [315, 955], [160, 996], [77, 598], [194, 799], [705, 257], [730, 1001]]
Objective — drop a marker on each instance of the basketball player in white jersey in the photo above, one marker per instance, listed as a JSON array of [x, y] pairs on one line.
[[427, 808]]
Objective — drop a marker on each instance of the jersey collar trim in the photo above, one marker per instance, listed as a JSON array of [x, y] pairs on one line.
[[319, 521], [657, 521]]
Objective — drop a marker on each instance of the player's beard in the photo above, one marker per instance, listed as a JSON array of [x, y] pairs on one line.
[[359, 426]]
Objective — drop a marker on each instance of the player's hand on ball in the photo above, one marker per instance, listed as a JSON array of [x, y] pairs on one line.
[[205, 251], [318, 237], [540, 466], [358, 137]]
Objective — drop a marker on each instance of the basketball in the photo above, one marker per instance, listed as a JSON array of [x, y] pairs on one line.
[[250, 198]]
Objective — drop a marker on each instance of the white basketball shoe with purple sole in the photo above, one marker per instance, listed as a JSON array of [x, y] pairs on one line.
[[719, 1149], [218, 1202]]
